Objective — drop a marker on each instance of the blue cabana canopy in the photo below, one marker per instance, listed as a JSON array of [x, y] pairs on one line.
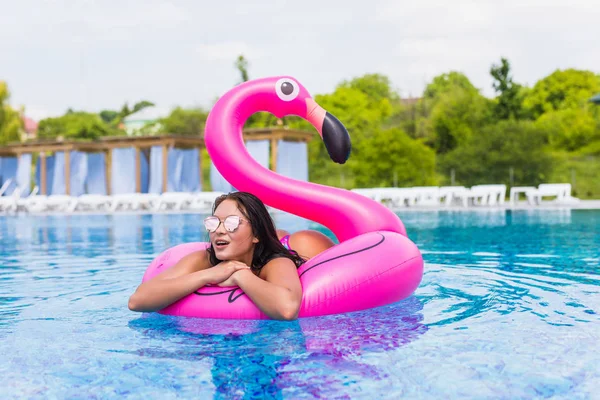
[[153, 164]]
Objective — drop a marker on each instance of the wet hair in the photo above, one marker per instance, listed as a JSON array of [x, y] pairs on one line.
[[268, 247]]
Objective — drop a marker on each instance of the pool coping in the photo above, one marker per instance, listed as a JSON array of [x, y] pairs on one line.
[[521, 206]]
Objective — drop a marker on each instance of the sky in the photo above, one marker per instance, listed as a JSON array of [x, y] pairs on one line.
[[94, 55]]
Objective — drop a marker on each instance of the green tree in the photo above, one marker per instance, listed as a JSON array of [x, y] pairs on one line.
[[450, 110], [406, 116], [490, 155], [183, 121], [561, 90], [241, 64], [377, 87], [380, 95], [356, 110], [391, 155], [360, 116], [448, 82], [108, 116], [115, 118], [455, 116], [11, 123], [75, 125], [509, 101], [569, 129], [592, 150], [363, 104]]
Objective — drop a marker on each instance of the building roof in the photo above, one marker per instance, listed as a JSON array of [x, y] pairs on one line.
[[180, 141], [30, 125]]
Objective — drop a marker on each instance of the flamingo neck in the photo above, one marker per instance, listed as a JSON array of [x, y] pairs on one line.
[[345, 213]]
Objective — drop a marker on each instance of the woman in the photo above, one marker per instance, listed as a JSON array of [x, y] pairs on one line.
[[244, 251], [306, 243]]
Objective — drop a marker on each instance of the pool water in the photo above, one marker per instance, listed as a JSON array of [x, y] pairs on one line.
[[509, 307]]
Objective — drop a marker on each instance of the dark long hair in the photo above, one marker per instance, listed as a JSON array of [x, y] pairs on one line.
[[263, 227]]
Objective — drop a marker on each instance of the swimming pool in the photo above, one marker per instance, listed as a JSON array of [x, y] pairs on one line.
[[509, 307]]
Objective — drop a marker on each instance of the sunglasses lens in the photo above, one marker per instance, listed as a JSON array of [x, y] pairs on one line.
[[232, 222], [211, 224]]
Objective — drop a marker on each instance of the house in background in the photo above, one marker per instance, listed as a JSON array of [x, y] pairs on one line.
[[133, 127], [30, 128]]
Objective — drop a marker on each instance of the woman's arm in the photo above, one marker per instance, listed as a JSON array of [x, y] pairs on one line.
[[277, 292], [190, 274]]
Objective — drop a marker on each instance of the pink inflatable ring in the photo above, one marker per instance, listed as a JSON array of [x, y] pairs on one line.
[[373, 265]]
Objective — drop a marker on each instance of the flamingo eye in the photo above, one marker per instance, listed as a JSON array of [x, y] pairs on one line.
[[287, 89]]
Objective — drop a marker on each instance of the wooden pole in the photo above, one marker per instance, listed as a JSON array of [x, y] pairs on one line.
[[108, 169], [138, 171], [18, 157], [274, 150], [43, 172], [165, 166], [67, 172], [200, 169]]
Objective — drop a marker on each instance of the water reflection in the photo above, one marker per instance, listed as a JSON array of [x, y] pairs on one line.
[[157, 232], [484, 218], [540, 217], [267, 358]]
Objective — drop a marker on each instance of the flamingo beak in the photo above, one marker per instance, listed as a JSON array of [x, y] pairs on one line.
[[332, 131]]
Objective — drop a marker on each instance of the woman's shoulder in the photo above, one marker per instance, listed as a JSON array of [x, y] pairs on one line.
[[279, 257], [277, 261], [197, 260], [279, 269]]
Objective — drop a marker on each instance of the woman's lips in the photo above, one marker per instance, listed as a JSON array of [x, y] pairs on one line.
[[221, 244]]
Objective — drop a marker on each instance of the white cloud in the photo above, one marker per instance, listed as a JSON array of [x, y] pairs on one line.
[[95, 54], [37, 112], [537, 36], [62, 23], [227, 51], [434, 18]]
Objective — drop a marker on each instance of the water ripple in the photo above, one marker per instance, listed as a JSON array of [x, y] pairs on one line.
[[509, 307]]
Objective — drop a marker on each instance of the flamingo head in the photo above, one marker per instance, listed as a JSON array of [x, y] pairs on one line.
[[283, 95]]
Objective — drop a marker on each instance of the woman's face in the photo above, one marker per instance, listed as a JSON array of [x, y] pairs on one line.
[[237, 245]]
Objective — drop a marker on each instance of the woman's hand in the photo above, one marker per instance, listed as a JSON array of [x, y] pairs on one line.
[[233, 279], [223, 272], [277, 291], [167, 287]]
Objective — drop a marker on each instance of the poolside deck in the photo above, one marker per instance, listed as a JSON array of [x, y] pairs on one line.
[[522, 205]]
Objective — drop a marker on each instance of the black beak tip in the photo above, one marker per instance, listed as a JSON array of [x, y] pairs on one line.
[[336, 139]]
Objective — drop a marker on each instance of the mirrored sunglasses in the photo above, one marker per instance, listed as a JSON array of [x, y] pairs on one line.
[[230, 223]]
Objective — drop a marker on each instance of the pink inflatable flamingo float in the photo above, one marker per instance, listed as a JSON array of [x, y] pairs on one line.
[[373, 265]]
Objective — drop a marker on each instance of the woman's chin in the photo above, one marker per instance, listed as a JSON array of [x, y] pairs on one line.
[[224, 254], [220, 253]]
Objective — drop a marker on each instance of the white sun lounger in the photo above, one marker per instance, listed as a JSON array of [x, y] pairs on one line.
[[482, 195], [133, 201], [92, 202], [23, 202], [5, 186], [560, 191], [59, 202], [448, 194], [173, 201], [10, 203], [203, 201], [426, 196]]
